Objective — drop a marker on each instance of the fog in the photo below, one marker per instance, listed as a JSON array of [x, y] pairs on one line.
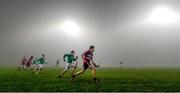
[[118, 28]]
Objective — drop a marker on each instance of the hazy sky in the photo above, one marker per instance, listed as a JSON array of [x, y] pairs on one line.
[[118, 29]]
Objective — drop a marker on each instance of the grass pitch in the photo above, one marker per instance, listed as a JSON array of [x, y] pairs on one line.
[[111, 80]]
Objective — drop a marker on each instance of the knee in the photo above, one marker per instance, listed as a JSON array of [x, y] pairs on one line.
[[65, 70]]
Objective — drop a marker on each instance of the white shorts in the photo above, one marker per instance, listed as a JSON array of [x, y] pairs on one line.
[[69, 65], [40, 66]]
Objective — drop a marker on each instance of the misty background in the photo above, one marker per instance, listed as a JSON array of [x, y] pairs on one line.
[[116, 28]]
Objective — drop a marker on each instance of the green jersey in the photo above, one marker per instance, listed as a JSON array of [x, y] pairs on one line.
[[35, 61], [41, 60], [69, 58]]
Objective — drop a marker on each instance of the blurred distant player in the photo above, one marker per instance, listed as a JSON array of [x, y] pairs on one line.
[[70, 63], [41, 63], [34, 65], [29, 62], [57, 63], [87, 57], [23, 63]]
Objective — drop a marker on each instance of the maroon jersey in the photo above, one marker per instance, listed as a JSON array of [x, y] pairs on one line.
[[23, 62], [88, 56], [29, 62]]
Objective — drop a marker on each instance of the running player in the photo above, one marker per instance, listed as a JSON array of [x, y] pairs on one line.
[[23, 63], [87, 57], [29, 62], [57, 63], [41, 63], [34, 65], [70, 63]]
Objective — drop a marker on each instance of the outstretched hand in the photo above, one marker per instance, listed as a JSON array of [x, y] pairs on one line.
[[96, 65]]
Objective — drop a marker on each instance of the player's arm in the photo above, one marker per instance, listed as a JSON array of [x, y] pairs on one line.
[[84, 57], [64, 57], [45, 61], [31, 62], [75, 58], [92, 61]]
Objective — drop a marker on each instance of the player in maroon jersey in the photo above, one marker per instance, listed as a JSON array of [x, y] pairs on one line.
[[23, 63], [29, 62], [88, 62]]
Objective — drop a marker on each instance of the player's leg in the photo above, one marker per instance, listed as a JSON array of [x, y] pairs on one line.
[[32, 67], [64, 71], [85, 66], [38, 71], [29, 68], [40, 68], [36, 67], [24, 67], [93, 70], [73, 70], [78, 73], [19, 68]]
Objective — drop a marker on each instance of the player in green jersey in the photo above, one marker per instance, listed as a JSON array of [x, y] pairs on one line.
[[41, 63], [34, 65], [70, 63]]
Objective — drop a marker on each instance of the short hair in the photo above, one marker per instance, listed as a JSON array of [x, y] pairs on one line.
[[91, 47], [72, 51]]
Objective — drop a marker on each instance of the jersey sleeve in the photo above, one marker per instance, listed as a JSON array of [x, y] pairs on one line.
[[74, 59], [84, 54], [64, 56]]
